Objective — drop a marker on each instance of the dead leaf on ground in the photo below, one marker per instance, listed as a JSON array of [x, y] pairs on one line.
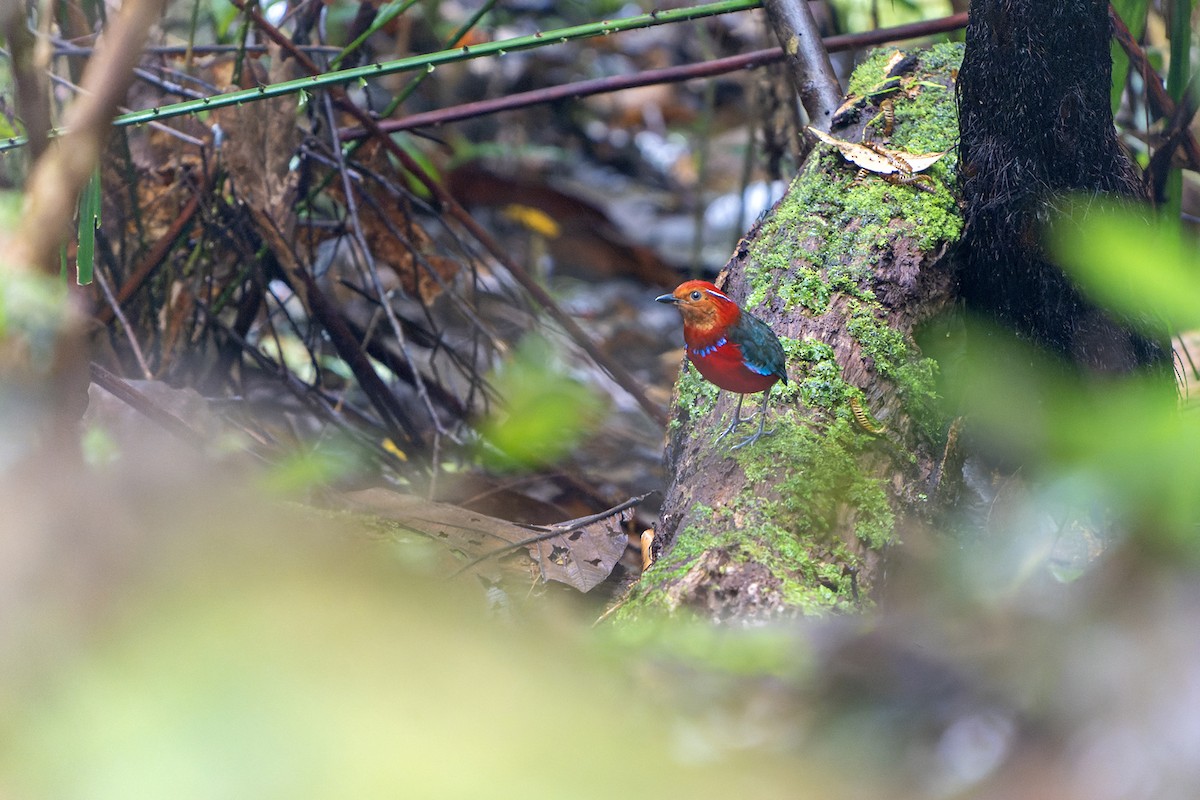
[[580, 553]]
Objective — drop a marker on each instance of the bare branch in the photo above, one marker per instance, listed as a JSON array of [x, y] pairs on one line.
[[807, 59]]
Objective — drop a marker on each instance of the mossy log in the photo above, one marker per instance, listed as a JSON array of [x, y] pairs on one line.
[[844, 269]]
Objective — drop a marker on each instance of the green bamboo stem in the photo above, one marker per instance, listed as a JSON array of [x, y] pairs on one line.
[[427, 62]]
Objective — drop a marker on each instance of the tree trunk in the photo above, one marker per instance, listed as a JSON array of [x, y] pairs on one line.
[[1036, 123], [844, 270]]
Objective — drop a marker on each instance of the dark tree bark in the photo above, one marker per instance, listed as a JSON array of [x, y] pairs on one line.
[[1036, 123]]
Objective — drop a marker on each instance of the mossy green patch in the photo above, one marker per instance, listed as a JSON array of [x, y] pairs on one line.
[[814, 471], [732, 650], [694, 392], [817, 485]]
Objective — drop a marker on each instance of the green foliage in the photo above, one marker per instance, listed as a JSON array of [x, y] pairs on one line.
[[1120, 451], [1143, 267], [89, 220], [859, 15], [304, 470], [278, 656], [544, 411]]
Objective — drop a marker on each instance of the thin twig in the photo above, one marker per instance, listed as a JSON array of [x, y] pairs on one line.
[[451, 206], [156, 256], [1156, 93], [385, 304], [124, 323], [124, 391], [60, 175]]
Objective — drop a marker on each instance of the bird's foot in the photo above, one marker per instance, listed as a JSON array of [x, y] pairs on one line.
[[733, 426], [755, 436]]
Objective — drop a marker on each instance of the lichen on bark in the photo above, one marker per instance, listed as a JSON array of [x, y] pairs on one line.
[[844, 270]]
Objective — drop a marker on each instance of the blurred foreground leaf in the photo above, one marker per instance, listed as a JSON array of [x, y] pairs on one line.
[[1138, 265], [546, 411], [1115, 449], [251, 651], [580, 556]]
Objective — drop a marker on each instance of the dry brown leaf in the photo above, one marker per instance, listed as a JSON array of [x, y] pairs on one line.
[[583, 557], [260, 139], [878, 159], [580, 553]]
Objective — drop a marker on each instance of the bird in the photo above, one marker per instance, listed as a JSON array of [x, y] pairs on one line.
[[733, 349]]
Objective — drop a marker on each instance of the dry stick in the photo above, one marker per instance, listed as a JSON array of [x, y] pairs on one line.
[[310, 396], [389, 312], [350, 349], [617, 83], [51, 195], [457, 212], [124, 391], [60, 174], [1155, 91], [807, 59], [1173, 139], [33, 99], [124, 323]]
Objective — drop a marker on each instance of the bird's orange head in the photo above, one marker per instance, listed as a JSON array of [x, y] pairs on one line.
[[704, 307]]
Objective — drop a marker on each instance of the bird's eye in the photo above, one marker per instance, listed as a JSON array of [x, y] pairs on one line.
[[695, 295]]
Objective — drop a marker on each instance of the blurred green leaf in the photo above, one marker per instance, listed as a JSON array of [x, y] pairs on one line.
[[282, 656], [302, 470], [1119, 453], [1131, 262], [545, 411]]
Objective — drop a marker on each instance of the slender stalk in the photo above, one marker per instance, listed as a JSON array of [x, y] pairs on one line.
[[426, 62], [1179, 15]]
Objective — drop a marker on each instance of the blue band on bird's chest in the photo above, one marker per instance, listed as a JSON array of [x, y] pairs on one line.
[[758, 369], [704, 352]]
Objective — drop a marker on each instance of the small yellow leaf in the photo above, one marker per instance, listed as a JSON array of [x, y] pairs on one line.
[[534, 219], [391, 447]]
